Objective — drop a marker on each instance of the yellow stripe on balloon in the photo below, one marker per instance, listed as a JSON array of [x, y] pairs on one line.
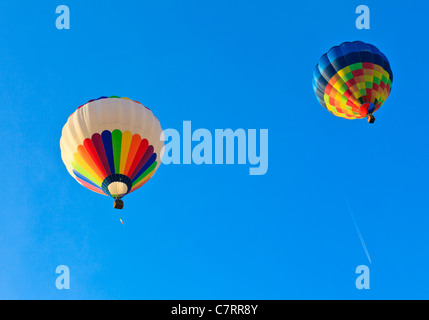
[[87, 158], [126, 142], [92, 175]]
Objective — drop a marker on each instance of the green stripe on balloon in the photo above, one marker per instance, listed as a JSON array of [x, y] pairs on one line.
[[116, 146], [356, 66], [83, 172], [144, 174]]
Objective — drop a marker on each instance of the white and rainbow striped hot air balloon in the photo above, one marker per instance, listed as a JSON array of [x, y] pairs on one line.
[[112, 146]]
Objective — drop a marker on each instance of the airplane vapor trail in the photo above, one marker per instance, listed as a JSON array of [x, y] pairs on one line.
[[356, 227]]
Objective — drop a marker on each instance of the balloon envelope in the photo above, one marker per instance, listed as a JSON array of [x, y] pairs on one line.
[[352, 80], [112, 145]]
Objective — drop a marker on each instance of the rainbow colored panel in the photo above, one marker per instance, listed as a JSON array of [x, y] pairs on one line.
[[114, 154]]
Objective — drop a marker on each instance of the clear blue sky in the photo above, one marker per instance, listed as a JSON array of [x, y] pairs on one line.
[[214, 231]]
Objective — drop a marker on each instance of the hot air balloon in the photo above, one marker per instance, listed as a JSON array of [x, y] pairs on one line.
[[353, 80], [112, 146]]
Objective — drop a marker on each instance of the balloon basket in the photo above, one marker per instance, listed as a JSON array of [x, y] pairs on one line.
[[118, 204]]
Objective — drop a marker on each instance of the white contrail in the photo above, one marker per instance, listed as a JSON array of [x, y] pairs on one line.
[[356, 226]]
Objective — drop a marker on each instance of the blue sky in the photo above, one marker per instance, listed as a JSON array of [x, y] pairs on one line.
[[214, 231]]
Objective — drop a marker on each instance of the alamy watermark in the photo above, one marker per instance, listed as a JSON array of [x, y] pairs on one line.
[[362, 22], [63, 280], [362, 281], [63, 20], [248, 147]]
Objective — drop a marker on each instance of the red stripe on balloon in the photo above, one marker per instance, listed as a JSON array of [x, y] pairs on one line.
[[139, 154], [368, 65], [142, 162], [98, 144], [89, 147]]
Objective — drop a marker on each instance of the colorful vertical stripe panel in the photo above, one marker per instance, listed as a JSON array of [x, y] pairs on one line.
[[109, 155]]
